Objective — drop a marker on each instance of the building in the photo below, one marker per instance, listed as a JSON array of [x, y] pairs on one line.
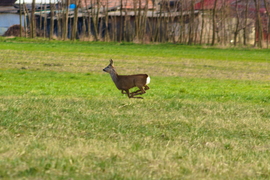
[[8, 15]]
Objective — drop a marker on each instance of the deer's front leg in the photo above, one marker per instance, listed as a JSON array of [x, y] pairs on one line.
[[130, 95]]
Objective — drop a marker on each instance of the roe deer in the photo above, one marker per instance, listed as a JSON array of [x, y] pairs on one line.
[[126, 82]]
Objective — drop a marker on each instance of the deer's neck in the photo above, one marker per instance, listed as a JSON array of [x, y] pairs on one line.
[[114, 76]]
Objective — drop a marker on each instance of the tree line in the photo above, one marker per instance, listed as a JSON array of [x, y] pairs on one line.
[[244, 22]]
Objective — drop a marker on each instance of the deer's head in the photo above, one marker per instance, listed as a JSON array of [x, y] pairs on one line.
[[109, 68]]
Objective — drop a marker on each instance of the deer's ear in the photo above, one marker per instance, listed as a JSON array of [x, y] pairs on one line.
[[111, 62]]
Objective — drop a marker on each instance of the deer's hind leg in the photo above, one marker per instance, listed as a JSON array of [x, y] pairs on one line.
[[138, 92], [141, 90], [130, 95]]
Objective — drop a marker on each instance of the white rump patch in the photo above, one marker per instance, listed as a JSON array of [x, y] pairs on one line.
[[148, 80]]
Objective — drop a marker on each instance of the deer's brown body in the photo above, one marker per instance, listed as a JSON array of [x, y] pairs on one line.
[[126, 82]]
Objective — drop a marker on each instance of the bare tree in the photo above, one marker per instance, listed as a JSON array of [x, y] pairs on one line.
[[121, 21], [65, 25], [20, 11], [60, 20], [158, 26], [125, 29], [33, 29], [202, 23], [40, 18], [95, 18], [182, 23], [237, 23], [75, 21], [89, 19], [214, 23], [26, 15], [137, 13], [245, 22], [144, 22], [267, 5], [51, 20], [45, 22], [191, 23], [258, 26], [83, 9], [107, 37], [225, 21]]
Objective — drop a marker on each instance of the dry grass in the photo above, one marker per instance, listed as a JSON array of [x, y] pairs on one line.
[[90, 62]]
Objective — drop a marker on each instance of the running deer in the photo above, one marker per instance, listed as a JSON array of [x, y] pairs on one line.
[[126, 82]]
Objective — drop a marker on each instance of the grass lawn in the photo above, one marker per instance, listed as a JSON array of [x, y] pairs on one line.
[[206, 115]]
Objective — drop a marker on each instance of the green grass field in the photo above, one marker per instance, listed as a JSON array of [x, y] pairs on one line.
[[206, 115]]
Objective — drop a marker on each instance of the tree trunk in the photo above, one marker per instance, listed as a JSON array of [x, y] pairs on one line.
[[245, 23], [144, 22], [95, 17], [45, 23], [75, 22], [51, 21], [266, 5], [258, 25], [65, 30], [33, 29], [26, 19], [40, 18], [20, 9], [89, 21], [191, 24], [202, 27], [237, 24], [60, 24], [214, 24], [121, 21]]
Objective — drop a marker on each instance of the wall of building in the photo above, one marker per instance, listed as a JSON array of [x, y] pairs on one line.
[[7, 20]]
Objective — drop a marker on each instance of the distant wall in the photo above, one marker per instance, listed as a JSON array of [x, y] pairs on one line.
[[7, 20]]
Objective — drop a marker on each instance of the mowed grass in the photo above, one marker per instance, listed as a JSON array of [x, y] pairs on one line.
[[206, 115]]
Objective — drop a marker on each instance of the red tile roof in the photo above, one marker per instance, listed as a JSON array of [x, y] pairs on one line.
[[209, 4], [126, 4]]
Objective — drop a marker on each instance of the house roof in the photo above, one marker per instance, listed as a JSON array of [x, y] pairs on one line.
[[126, 4], [7, 2], [209, 4]]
